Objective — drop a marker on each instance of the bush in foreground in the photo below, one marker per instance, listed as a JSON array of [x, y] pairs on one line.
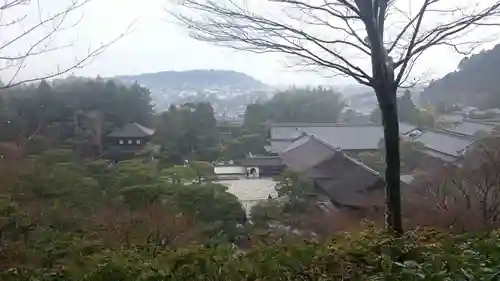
[[368, 255]]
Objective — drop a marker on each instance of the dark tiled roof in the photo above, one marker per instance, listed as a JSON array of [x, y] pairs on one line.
[[278, 146], [470, 128], [350, 138], [349, 182], [306, 153], [285, 132], [344, 179], [443, 142], [132, 130], [346, 137]]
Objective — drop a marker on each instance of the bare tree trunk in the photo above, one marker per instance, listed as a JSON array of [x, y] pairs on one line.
[[392, 172]]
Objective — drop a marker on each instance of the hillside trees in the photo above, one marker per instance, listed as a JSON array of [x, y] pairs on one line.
[[188, 132], [299, 105], [475, 82]]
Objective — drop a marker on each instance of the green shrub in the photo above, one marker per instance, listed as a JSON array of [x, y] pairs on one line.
[[368, 255]]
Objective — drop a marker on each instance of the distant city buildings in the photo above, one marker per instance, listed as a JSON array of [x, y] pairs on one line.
[[228, 103]]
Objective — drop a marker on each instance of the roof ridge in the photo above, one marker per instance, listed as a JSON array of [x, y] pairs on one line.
[[144, 128], [452, 133]]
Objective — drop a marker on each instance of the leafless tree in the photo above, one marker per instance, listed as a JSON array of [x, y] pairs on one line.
[[375, 42], [29, 32], [465, 198]]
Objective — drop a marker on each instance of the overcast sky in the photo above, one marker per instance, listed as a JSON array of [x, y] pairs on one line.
[[155, 44]]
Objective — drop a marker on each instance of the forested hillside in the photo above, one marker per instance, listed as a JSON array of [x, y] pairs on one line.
[[475, 82], [194, 80]]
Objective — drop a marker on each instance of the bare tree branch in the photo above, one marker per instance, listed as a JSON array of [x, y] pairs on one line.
[[233, 25], [31, 37]]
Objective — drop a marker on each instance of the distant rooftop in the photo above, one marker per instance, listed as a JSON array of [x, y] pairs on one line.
[[450, 118], [448, 143], [445, 145], [132, 130], [346, 137], [471, 127]]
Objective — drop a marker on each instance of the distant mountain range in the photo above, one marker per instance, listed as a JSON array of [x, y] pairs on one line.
[[476, 82], [195, 80]]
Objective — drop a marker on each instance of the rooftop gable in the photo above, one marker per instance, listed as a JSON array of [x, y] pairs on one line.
[[132, 130], [344, 179], [306, 153]]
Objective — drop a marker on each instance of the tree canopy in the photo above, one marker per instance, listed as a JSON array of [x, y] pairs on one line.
[[72, 112], [188, 132], [297, 105]]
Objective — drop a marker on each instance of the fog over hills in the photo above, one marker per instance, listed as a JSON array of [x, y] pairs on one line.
[[229, 92], [475, 82], [195, 80]]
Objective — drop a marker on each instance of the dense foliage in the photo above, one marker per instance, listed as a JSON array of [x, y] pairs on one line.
[[297, 105], [369, 255], [54, 207], [188, 132]]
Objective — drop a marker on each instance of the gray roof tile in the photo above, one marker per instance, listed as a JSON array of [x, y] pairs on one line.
[[285, 133], [132, 129], [349, 138], [278, 146], [470, 128], [306, 153], [346, 181], [346, 137], [446, 143]]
